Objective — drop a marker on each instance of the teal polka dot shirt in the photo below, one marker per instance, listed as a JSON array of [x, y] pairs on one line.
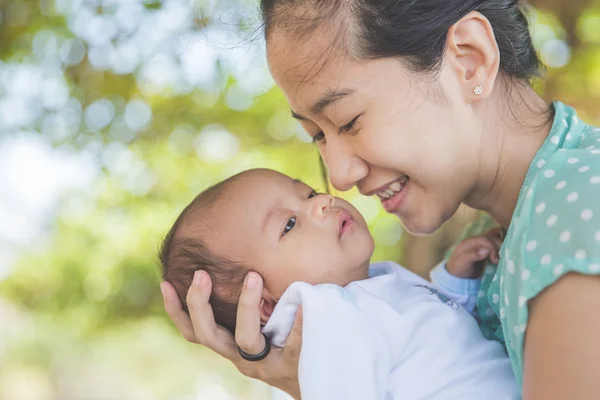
[[555, 229]]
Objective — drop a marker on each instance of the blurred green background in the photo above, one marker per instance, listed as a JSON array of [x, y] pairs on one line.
[[114, 114]]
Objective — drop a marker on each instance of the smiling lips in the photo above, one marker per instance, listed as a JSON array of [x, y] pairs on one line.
[[345, 222], [392, 195], [390, 190]]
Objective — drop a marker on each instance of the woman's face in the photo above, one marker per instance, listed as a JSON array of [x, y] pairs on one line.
[[391, 132]]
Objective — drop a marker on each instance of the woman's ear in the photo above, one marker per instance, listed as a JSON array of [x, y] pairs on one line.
[[472, 52]]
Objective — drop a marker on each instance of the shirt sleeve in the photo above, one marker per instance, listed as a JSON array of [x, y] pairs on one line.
[[464, 291], [556, 232], [563, 230]]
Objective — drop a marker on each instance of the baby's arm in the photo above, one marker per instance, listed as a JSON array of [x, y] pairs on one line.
[[463, 290], [460, 277]]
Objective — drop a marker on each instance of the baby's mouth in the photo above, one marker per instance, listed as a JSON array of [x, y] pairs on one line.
[[345, 221]]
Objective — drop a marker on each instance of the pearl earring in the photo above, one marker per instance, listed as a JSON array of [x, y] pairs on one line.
[[478, 90]]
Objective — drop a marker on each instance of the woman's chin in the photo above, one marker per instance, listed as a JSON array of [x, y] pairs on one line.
[[421, 225]]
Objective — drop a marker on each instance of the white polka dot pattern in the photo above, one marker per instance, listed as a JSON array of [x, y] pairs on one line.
[[560, 232]]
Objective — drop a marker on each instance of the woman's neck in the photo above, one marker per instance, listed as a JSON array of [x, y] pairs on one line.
[[514, 130]]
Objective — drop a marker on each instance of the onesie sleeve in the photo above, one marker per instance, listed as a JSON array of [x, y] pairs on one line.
[[463, 291]]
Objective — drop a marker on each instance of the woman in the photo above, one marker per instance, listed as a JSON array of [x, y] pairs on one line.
[[431, 100]]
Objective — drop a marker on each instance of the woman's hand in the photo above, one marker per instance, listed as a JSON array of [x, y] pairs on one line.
[[279, 369]]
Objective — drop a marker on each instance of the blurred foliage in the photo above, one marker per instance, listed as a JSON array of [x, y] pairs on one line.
[[165, 99]]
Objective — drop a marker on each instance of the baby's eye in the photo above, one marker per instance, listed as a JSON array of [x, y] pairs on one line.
[[313, 194], [289, 226]]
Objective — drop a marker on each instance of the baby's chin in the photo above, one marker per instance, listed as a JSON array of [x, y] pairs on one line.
[[341, 276], [355, 273]]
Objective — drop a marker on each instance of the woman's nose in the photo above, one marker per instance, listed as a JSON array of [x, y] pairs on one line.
[[345, 168]]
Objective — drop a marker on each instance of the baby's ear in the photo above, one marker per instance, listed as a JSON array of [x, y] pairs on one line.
[[266, 309]]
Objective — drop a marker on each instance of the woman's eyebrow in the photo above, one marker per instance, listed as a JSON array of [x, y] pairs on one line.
[[330, 97]]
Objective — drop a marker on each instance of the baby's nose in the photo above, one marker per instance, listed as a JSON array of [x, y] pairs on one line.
[[322, 203]]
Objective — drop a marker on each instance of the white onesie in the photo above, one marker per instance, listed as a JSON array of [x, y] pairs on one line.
[[391, 336]]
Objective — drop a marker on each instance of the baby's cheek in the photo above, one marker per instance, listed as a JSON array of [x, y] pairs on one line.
[[279, 282]]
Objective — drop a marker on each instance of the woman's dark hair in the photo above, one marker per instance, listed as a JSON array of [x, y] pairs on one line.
[[414, 30]]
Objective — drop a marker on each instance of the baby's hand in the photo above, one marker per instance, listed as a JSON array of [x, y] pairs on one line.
[[469, 257]]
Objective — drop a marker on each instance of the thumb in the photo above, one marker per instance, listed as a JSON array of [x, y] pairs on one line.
[[478, 253], [474, 254], [482, 252]]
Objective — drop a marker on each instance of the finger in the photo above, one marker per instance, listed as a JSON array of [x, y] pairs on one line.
[[496, 232], [294, 341], [493, 243], [247, 331], [464, 247], [201, 312], [495, 236], [207, 332], [176, 312], [470, 245], [495, 255], [474, 255], [481, 253], [267, 370], [481, 250], [279, 359]]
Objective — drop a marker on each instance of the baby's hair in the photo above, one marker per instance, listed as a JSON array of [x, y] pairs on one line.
[[182, 255]]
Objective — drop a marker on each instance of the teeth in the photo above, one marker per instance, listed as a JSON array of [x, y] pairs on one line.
[[394, 188]]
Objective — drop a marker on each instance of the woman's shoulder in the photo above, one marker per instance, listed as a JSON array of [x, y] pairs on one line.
[[570, 162], [561, 210], [570, 169]]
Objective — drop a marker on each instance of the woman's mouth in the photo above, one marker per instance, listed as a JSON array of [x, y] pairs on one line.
[[345, 222], [391, 195]]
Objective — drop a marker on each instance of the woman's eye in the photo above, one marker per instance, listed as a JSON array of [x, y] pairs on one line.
[[289, 226], [349, 126], [319, 137]]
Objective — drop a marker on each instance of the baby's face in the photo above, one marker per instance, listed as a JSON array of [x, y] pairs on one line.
[[287, 233]]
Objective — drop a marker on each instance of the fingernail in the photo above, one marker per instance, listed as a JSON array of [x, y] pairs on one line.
[[198, 276], [251, 280], [162, 289], [483, 252]]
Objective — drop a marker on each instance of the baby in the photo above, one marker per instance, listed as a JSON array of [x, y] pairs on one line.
[[370, 331]]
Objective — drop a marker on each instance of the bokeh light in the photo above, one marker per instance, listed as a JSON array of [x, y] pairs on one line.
[[113, 116]]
